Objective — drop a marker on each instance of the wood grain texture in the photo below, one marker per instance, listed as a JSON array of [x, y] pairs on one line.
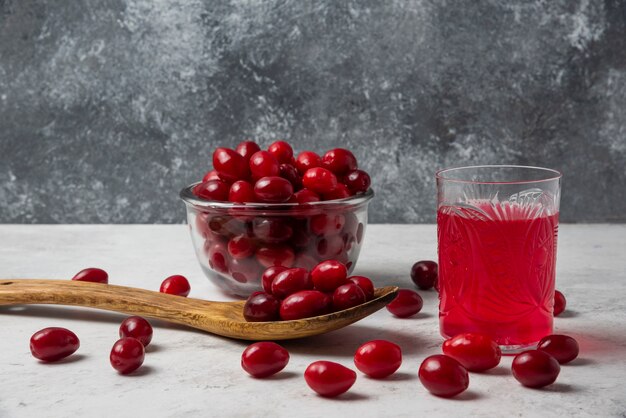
[[221, 318]]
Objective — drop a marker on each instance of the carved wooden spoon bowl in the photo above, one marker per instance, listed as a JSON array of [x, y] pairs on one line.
[[221, 318]]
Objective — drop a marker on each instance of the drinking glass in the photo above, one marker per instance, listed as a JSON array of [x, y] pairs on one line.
[[497, 233]]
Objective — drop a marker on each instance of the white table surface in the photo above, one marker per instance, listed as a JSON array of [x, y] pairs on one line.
[[189, 373]]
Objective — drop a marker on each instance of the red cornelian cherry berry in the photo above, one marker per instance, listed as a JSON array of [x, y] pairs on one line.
[[240, 247], [276, 255], [282, 151], [319, 180], [217, 254], [329, 379], [263, 164], [330, 247], [305, 304], [291, 281], [327, 223], [261, 307], [378, 358], [230, 166], [306, 160], [246, 149], [443, 376], [357, 181], [329, 275], [304, 196], [406, 304], [210, 175], [176, 285], [476, 352], [53, 343], [92, 274], [365, 284], [136, 327], [241, 192], [289, 173], [212, 190], [264, 359], [559, 303], [348, 296], [424, 274], [127, 355], [272, 230], [562, 347], [535, 369], [340, 161], [268, 277], [340, 192], [273, 190], [245, 270]]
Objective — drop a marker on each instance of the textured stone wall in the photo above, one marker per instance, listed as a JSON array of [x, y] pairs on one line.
[[109, 108]]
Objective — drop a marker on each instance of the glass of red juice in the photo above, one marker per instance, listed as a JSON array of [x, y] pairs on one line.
[[497, 232]]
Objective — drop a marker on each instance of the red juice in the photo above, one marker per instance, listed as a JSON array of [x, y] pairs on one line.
[[496, 271]]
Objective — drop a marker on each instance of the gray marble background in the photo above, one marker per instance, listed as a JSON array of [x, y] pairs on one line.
[[109, 108]]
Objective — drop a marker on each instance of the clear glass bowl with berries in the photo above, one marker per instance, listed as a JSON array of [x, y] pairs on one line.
[[262, 208]]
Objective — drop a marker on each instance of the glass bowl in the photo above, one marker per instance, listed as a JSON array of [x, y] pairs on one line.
[[236, 242]]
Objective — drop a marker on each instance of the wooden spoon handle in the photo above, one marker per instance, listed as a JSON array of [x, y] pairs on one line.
[[123, 299]]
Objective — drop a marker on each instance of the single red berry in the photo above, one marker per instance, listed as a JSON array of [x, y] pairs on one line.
[[365, 284], [406, 304], [175, 285], [268, 277], [340, 192], [127, 355], [261, 307], [263, 164], [304, 196], [559, 303], [241, 192], [136, 327], [210, 175], [217, 255], [535, 369], [329, 379], [264, 359], [276, 255], [92, 274], [319, 180], [246, 149], [358, 181], [443, 376], [348, 296], [306, 160], [424, 274], [289, 173], [378, 358], [240, 247], [272, 230], [282, 151], [53, 343], [327, 223], [476, 352], [273, 190], [329, 275], [305, 304], [562, 347], [291, 281], [340, 161], [230, 166], [330, 247], [216, 190]]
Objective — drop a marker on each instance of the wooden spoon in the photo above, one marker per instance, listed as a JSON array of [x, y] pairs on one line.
[[222, 318]]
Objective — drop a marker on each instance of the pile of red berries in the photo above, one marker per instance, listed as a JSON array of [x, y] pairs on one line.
[[240, 242], [296, 293], [249, 175]]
